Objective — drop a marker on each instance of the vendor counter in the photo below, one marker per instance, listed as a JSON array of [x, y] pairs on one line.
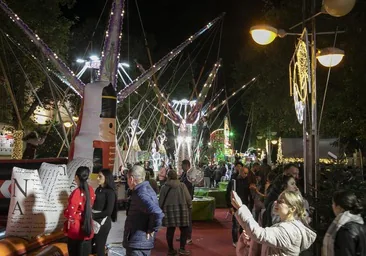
[[223, 185], [203, 208], [219, 195]]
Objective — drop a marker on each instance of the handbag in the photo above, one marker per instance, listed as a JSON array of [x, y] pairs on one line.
[[96, 224]]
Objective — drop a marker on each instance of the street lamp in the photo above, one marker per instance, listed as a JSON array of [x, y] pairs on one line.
[[330, 57], [265, 34], [94, 58]]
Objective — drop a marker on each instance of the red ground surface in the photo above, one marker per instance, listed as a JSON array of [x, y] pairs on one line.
[[209, 238]]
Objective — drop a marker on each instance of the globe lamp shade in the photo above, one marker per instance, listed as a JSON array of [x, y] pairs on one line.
[[330, 57], [338, 8], [263, 34], [67, 124]]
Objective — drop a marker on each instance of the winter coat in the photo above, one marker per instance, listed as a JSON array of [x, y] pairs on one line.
[[189, 185], [177, 204], [282, 239], [350, 240], [74, 214], [346, 236], [207, 172], [242, 189], [217, 174], [144, 216]]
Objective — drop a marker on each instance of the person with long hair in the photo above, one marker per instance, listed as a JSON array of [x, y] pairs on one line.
[[289, 237], [288, 183], [104, 209], [176, 203], [78, 227], [346, 236]]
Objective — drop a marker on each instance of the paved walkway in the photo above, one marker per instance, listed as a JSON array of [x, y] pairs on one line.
[[116, 235], [209, 237]]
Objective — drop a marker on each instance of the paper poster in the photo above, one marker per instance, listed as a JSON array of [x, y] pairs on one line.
[[73, 165], [38, 200]]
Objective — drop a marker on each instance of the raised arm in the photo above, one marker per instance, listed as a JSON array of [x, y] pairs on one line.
[[273, 236]]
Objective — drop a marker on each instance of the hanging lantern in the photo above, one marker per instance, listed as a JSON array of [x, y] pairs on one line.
[[338, 8]]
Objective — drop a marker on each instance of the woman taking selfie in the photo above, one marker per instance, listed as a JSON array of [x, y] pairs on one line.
[[346, 236], [288, 237], [78, 227], [104, 209]]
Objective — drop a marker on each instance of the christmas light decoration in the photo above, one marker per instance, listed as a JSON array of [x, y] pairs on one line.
[[152, 70], [279, 152], [76, 83], [300, 78], [18, 145]]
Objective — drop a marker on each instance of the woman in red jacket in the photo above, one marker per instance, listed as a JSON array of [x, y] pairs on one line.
[[78, 227]]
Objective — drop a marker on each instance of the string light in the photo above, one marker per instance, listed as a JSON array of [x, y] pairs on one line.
[[279, 152], [60, 65], [152, 70], [18, 145], [113, 36], [61, 77]]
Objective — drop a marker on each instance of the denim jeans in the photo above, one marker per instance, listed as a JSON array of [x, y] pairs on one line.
[[137, 252]]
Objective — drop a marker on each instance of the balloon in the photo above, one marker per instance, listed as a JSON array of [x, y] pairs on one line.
[[195, 175], [338, 8]]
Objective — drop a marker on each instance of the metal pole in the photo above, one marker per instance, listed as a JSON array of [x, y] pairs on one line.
[[314, 118], [305, 148], [314, 121]]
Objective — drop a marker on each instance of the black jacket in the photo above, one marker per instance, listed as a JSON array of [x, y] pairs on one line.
[[189, 185], [350, 240], [242, 189]]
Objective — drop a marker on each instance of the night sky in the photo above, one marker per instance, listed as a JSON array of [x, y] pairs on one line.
[[171, 22]]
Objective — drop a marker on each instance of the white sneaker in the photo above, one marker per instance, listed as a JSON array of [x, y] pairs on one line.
[[234, 244]]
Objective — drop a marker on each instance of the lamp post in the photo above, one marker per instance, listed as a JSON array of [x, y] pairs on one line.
[[329, 57]]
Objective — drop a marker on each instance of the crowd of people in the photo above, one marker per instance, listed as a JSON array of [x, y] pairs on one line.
[[269, 214], [273, 218]]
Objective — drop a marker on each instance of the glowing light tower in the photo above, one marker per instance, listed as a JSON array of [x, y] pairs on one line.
[[186, 131]]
